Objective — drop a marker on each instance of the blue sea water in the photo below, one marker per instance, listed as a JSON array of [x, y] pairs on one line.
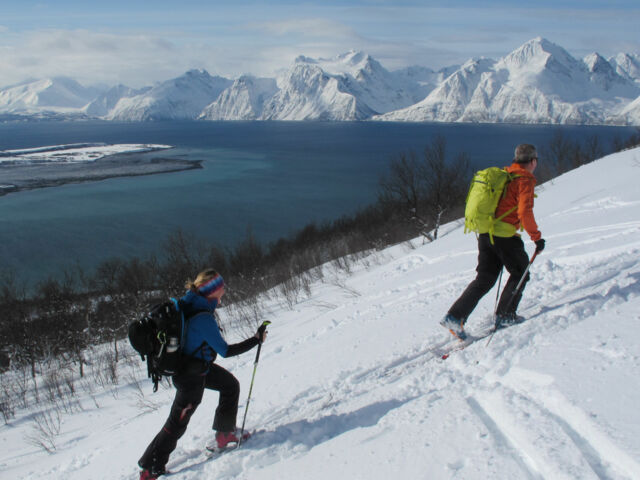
[[271, 177]]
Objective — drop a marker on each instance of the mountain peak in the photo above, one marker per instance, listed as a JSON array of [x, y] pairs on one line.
[[197, 73], [627, 65], [538, 53], [597, 63], [354, 57], [305, 59]]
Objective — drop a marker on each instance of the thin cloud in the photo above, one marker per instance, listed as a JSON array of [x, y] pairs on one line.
[[305, 27], [264, 39], [91, 57]]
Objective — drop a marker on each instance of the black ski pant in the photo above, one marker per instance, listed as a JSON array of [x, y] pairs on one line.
[[504, 252], [190, 389]]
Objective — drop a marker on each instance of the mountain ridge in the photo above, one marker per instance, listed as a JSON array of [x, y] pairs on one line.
[[538, 82]]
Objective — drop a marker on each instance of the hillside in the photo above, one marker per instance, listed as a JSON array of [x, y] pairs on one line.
[[350, 384]]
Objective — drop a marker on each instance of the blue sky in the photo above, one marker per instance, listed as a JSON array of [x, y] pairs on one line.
[[138, 42]]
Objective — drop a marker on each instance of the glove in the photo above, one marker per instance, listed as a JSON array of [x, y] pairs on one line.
[[539, 245], [261, 334]]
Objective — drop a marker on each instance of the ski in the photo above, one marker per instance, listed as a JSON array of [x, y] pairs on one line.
[[459, 345], [207, 454], [217, 451]]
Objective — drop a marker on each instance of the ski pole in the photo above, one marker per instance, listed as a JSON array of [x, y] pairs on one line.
[[495, 307], [261, 331], [515, 292]]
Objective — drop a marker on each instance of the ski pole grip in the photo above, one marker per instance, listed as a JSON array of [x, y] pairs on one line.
[[262, 328]]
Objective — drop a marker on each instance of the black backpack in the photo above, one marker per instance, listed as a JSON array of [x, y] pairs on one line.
[[159, 336]]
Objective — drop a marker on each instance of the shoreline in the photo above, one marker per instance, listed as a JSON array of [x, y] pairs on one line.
[[19, 178]]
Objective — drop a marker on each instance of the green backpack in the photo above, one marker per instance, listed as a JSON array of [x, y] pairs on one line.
[[487, 188]]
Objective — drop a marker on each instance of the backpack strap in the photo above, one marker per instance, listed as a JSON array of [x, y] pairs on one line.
[[492, 228], [473, 179], [155, 378], [184, 333]]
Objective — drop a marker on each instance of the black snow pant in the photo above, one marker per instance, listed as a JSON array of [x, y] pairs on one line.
[[190, 389], [504, 252]]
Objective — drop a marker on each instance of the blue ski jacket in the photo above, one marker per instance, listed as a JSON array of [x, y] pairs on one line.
[[203, 338]]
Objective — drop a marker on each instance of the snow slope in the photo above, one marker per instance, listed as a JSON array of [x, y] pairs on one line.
[[244, 100], [60, 94], [102, 105], [180, 98], [631, 113], [350, 386], [627, 65]]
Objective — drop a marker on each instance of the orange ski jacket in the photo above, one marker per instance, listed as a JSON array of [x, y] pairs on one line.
[[520, 193]]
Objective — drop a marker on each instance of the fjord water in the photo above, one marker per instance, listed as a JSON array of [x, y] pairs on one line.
[[271, 177]]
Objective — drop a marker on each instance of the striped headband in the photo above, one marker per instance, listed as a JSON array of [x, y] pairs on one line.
[[212, 286]]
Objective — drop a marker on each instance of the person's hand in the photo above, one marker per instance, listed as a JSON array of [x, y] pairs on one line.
[[540, 245], [261, 334]]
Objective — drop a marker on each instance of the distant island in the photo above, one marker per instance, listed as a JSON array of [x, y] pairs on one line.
[[56, 165]]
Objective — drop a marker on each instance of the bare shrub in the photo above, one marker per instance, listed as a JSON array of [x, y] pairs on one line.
[[45, 430], [7, 403], [429, 189], [245, 316], [20, 383], [52, 385]]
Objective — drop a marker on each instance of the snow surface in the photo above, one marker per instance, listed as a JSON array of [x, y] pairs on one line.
[[73, 153], [349, 385]]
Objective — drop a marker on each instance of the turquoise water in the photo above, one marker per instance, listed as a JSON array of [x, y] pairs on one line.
[[272, 177]]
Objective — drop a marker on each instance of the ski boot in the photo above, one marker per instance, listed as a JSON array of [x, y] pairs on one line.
[[507, 320], [455, 326], [226, 440], [151, 473]]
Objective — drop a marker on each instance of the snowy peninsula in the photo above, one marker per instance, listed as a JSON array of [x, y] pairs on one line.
[[77, 152], [61, 164]]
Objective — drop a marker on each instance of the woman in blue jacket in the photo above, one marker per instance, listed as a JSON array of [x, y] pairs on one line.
[[203, 342]]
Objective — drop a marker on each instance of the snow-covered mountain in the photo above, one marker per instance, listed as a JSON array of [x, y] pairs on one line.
[[448, 101], [627, 65], [631, 114], [351, 383], [106, 102], [243, 100], [421, 81], [540, 82], [306, 92], [364, 78], [352, 86], [60, 94], [184, 97], [603, 74]]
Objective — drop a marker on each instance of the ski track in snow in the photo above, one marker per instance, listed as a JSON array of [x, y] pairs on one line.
[[351, 384]]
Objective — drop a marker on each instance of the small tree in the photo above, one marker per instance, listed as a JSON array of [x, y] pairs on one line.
[[446, 183], [430, 190]]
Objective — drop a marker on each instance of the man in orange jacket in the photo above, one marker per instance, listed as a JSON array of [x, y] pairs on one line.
[[505, 252]]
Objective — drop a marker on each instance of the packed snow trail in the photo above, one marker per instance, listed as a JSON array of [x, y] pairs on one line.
[[349, 384]]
